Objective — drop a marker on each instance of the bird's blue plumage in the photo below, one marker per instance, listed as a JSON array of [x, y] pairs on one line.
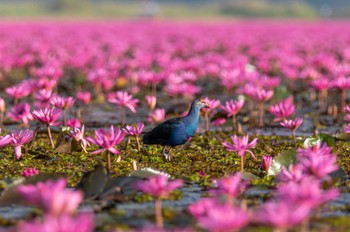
[[176, 131]]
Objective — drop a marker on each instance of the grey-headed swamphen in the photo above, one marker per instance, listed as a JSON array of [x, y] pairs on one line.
[[176, 131]]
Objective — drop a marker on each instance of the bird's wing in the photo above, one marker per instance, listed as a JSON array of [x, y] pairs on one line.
[[161, 133]]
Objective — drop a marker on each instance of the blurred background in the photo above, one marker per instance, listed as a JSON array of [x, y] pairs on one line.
[[174, 9]]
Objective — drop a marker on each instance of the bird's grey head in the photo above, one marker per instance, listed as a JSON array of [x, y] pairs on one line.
[[200, 103]]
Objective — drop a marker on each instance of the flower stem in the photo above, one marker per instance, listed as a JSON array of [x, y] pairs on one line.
[[50, 136], [242, 163], [138, 143], [233, 122], [206, 117], [65, 117], [108, 163], [261, 114], [294, 139], [1, 118], [122, 111], [343, 99], [158, 213]]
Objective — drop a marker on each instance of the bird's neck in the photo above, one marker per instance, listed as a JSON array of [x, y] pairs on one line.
[[193, 112]]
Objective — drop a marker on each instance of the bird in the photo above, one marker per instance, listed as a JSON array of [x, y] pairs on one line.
[[176, 131]]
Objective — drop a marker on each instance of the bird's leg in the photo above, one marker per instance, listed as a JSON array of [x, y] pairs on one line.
[[164, 152], [169, 154]]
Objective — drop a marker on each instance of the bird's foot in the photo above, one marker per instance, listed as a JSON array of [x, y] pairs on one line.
[[167, 157]]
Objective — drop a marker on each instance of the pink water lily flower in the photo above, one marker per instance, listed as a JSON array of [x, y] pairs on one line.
[[123, 100], [214, 216], [107, 140], [78, 135], [317, 161], [83, 222], [62, 102], [157, 116], [283, 109], [20, 138], [28, 172], [230, 186], [282, 214], [18, 91], [158, 186], [5, 140], [306, 192], [292, 124], [74, 123], [84, 97], [241, 145], [266, 162], [42, 98], [135, 132], [52, 197], [232, 107], [213, 104], [48, 116], [151, 102], [21, 112], [293, 173]]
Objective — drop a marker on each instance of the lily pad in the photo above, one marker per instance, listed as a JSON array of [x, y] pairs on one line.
[[342, 136], [283, 159], [320, 138]]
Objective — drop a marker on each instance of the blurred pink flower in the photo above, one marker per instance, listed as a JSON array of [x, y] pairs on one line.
[[84, 97], [19, 138], [293, 173], [83, 222], [107, 140], [292, 124], [2, 105], [74, 123], [123, 99], [306, 192], [18, 91], [230, 186], [266, 162], [240, 145], [317, 161], [158, 185], [62, 102], [28, 172], [157, 116], [232, 107], [52, 197], [261, 95], [283, 109], [5, 140], [282, 214], [21, 112], [48, 116], [151, 101], [213, 216], [219, 122], [42, 98]]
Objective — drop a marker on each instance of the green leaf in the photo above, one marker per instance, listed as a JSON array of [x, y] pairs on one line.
[[320, 138], [283, 159]]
